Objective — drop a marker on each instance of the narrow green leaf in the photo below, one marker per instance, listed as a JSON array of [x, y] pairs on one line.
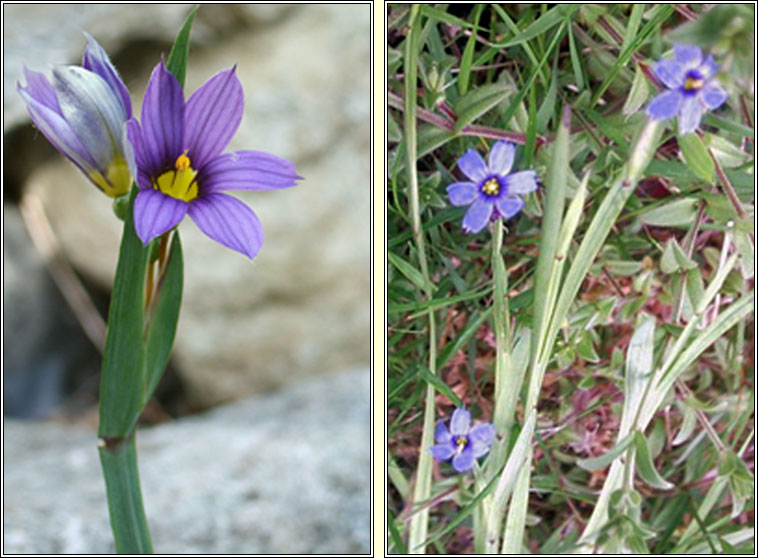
[[408, 271], [646, 467], [696, 156], [695, 286], [159, 338], [602, 461], [541, 25], [639, 93], [639, 369], [468, 55], [728, 125], [177, 59], [122, 382], [472, 326], [432, 379], [576, 65], [555, 197], [477, 102], [633, 26], [440, 15]]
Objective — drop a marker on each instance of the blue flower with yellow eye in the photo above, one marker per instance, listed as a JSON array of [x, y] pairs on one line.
[[462, 444], [692, 88], [490, 191]]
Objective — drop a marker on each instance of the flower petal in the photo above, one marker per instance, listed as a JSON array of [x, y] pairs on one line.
[[442, 452], [670, 72], [135, 147], [58, 132], [713, 95], [472, 165], [461, 193], [709, 68], [500, 159], [247, 170], [162, 121], [464, 461], [212, 116], [509, 206], [228, 221], [38, 88], [95, 59], [156, 213], [665, 105], [689, 115], [521, 182], [483, 432], [441, 433], [93, 110], [688, 55], [460, 422], [477, 216], [479, 449]]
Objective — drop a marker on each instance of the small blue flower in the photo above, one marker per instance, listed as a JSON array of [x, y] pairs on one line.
[[691, 88], [463, 443], [491, 191]]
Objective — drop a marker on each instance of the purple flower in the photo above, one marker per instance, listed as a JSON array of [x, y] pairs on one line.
[[462, 443], [83, 113], [491, 191], [691, 88], [180, 169]]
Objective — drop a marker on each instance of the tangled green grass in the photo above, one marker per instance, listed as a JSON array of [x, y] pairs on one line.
[[607, 330]]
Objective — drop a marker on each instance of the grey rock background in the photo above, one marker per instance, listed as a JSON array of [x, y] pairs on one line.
[[286, 473], [301, 309]]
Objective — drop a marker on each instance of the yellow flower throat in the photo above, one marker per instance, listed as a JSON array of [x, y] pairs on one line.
[[180, 182], [691, 84]]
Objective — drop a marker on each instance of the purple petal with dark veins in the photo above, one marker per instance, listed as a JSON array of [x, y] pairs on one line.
[[93, 110], [162, 121], [39, 89], [212, 116], [461, 193], [96, 60], [442, 452], [472, 165], [156, 213], [137, 146], [464, 461], [58, 132], [228, 221], [477, 216], [246, 170]]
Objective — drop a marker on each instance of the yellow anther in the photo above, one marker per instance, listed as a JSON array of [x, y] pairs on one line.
[[693, 83], [182, 162], [491, 187], [461, 441]]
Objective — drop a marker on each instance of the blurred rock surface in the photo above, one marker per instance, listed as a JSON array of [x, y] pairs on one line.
[[288, 473], [302, 307]]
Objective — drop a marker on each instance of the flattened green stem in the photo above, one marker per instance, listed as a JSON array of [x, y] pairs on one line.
[[118, 458], [419, 523]]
